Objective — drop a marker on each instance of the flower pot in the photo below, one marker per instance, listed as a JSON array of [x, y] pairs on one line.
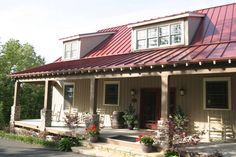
[[130, 126], [146, 148], [94, 138]]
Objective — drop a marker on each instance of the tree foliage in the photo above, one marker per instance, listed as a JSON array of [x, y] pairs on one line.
[[16, 56]]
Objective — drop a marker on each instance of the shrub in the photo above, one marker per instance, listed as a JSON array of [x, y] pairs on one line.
[[130, 116], [171, 153], [145, 139], [66, 143], [71, 120]]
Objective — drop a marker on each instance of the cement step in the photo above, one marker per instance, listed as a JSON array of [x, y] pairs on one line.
[[108, 150]]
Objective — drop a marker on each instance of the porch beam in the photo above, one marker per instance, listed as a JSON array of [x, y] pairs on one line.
[[164, 97], [48, 95], [15, 109], [93, 96], [137, 73]]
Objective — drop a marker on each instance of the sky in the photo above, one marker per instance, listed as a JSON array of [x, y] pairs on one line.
[[42, 23]]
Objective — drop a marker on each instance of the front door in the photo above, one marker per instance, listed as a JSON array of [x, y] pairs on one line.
[[150, 107]]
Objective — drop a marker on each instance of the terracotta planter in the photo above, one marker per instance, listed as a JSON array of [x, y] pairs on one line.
[[130, 126], [146, 148], [94, 138]]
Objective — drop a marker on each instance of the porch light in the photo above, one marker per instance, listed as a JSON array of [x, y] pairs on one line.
[[132, 92], [181, 92]]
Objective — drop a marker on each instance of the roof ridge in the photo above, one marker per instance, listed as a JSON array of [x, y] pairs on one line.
[[215, 6]]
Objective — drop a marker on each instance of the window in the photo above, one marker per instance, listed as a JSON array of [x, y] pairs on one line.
[[111, 93], [71, 50], [68, 95], [217, 93], [161, 35]]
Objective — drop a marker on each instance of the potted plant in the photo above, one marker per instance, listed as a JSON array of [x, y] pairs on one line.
[[130, 117], [146, 142], [93, 132]]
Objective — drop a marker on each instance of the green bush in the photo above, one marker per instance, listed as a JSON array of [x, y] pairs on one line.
[[66, 143], [171, 153]]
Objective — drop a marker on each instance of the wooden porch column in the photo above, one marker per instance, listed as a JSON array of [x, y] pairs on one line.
[[93, 96], [16, 109], [164, 97], [93, 102], [46, 112]]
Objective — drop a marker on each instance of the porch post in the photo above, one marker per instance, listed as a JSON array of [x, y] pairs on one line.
[[163, 137], [15, 109], [93, 102], [46, 112], [93, 96], [164, 97]]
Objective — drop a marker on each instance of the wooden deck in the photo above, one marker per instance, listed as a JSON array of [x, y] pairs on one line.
[[60, 129]]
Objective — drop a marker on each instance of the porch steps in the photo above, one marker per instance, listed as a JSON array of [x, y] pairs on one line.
[[112, 150]]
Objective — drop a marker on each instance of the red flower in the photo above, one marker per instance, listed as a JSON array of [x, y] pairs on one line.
[[92, 130], [139, 137]]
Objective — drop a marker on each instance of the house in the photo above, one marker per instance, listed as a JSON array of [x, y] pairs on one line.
[[186, 59]]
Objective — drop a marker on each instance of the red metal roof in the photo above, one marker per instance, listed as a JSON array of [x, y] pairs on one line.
[[215, 39]]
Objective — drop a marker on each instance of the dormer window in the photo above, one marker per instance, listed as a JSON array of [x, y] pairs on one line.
[[160, 35], [71, 50]]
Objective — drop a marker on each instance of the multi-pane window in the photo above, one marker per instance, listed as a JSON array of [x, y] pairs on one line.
[[175, 33], [170, 34], [217, 93], [111, 93], [152, 37], [142, 39], [164, 35], [71, 50], [68, 96]]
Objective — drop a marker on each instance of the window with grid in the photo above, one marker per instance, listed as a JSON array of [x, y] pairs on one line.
[[68, 95], [217, 93], [111, 93], [162, 35], [71, 50]]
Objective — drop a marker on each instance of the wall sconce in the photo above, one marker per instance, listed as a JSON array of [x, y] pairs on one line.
[[132, 92], [181, 92]]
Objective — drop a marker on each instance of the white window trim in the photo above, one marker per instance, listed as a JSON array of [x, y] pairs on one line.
[[104, 87], [228, 79], [73, 103], [77, 52], [134, 35]]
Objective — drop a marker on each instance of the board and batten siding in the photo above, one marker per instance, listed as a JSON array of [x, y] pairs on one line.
[[82, 91], [126, 84], [81, 96], [192, 101]]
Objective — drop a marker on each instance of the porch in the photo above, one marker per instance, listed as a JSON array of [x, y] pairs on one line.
[[184, 88], [59, 128]]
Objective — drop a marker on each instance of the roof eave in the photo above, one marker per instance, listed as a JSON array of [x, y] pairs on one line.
[[168, 18], [79, 36]]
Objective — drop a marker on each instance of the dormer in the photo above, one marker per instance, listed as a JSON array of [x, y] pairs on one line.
[[77, 46], [166, 31]]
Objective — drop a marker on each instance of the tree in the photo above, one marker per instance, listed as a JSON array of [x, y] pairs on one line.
[[15, 56]]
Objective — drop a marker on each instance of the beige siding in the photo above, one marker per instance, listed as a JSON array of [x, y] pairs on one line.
[[126, 84], [82, 91], [192, 102], [57, 101], [81, 100], [82, 95]]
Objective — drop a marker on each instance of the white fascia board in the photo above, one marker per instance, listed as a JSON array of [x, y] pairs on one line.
[[174, 17], [79, 36]]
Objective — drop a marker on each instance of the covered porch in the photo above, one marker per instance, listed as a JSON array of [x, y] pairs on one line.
[[184, 83]]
